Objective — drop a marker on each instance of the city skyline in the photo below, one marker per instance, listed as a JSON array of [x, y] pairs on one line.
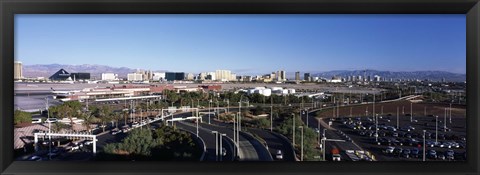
[[246, 44]]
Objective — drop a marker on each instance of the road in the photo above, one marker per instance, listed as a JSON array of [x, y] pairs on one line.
[[330, 133], [209, 138], [274, 141]]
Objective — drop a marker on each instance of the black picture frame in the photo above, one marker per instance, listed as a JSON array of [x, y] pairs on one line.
[[8, 8]]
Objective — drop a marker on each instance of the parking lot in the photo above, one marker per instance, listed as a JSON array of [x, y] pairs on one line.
[[406, 140]]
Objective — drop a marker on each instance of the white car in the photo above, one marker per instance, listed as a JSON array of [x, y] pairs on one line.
[[35, 158], [279, 155], [389, 150], [51, 120], [88, 142], [36, 120], [336, 157], [224, 152]]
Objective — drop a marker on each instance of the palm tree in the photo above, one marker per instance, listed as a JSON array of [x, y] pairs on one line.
[[88, 120], [104, 114], [116, 116], [125, 114]]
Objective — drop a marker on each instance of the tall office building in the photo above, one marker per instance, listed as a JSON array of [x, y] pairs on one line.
[[297, 76], [135, 77], [281, 75], [223, 75], [17, 70], [306, 76], [109, 76]]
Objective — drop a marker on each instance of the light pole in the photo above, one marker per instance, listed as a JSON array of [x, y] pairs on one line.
[[293, 127], [424, 145], [318, 129], [209, 110], [221, 146], [373, 110], [376, 128], [436, 129], [324, 137], [398, 121], [49, 131], [411, 112], [271, 118], [450, 111], [216, 144], [302, 144], [218, 111], [445, 121]]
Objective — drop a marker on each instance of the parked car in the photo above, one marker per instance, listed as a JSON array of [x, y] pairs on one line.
[[279, 155], [441, 157], [51, 120], [450, 155], [36, 120], [406, 153], [432, 154], [389, 150], [397, 151], [34, 158], [224, 151], [116, 131], [415, 152]]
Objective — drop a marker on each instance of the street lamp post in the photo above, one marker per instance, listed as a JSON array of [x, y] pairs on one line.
[[209, 110], [228, 105], [216, 144], [424, 145], [293, 128], [271, 118], [301, 144], [376, 128], [445, 121], [49, 131], [450, 113], [411, 112], [318, 128], [398, 121], [221, 146], [436, 129]]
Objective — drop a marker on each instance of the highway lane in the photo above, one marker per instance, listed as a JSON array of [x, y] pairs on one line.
[[209, 139], [275, 142], [330, 133], [250, 149]]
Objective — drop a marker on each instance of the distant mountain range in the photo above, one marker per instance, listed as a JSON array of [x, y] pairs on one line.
[[96, 71], [421, 75]]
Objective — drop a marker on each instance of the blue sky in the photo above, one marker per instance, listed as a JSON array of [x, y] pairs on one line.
[[245, 44]]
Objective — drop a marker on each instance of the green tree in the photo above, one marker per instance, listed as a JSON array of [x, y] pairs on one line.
[[88, 120], [21, 117]]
